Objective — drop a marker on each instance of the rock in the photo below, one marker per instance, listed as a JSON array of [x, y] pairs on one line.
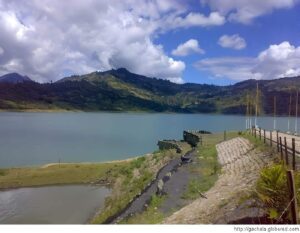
[[169, 174], [160, 186]]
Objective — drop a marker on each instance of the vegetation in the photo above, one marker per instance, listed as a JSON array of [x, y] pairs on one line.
[[132, 181], [120, 90], [207, 168], [151, 215], [271, 187], [60, 174]]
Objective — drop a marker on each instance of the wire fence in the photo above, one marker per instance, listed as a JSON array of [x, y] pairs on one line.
[[290, 156], [288, 153]]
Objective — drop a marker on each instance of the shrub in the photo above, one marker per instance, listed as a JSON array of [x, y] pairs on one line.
[[272, 189]]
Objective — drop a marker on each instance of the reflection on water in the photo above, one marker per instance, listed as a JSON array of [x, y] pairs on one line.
[[72, 204]]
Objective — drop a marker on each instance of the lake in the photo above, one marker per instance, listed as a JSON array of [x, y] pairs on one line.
[[38, 138], [69, 204]]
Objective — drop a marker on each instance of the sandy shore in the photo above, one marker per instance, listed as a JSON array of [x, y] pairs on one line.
[[87, 163]]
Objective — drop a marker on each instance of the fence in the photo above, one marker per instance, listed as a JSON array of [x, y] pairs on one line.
[[288, 154], [285, 151]]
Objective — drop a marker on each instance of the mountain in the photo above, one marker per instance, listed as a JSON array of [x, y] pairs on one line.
[[121, 90], [14, 78]]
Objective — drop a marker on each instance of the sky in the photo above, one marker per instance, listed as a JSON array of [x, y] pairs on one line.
[[201, 41]]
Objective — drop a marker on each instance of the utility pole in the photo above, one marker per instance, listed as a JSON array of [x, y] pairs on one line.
[[296, 120], [247, 112], [250, 113], [256, 104], [290, 108], [274, 120]]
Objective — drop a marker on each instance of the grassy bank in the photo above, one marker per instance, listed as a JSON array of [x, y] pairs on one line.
[[126, 178], [133, 179], [205, 168], [61, 174], [271, 189]]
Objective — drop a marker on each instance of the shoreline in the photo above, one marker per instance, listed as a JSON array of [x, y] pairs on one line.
[[121, 111]]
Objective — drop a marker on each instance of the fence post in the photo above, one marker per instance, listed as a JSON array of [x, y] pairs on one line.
[[271, 140], [286, 153], [259, 133], [255, 132], [293, 197], [277, 141], [294, 155], [281, 151], [264, 136]]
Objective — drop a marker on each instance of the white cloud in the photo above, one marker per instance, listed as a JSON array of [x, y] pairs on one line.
[[233, 41], [190, 46], [277, 61], [48, 39], [196, 19], [244, 11], [235, 68]]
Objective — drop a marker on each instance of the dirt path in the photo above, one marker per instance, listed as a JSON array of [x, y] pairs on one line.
[[138, 204], [240, 169]]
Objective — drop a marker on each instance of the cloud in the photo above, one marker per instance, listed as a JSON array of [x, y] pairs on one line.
[[277, 61], [233, 41], [280, 60], [190, 46], [234, 68], [50, 39], [195, 19], [244, 11]]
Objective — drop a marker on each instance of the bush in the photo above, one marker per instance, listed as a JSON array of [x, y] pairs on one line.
[[137, 163], [272, 189], [2, 172]]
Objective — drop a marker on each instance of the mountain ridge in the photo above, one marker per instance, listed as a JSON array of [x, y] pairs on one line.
[[121, 90], [14, 78]]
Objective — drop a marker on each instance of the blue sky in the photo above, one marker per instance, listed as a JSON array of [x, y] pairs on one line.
[[271, 28], [202, 41]]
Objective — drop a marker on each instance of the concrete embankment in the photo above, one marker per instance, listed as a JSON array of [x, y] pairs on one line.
[[240, 170]]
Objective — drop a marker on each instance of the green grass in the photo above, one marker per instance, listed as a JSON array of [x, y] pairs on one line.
[[259, 144], [207, 167], [151, 215], [133, 179], [60, 174]]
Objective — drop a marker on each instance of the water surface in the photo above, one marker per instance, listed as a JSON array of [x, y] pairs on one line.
[[39, 138], [71, 204]]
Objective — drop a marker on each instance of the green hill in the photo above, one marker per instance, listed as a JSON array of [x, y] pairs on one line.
[[120, 90]]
